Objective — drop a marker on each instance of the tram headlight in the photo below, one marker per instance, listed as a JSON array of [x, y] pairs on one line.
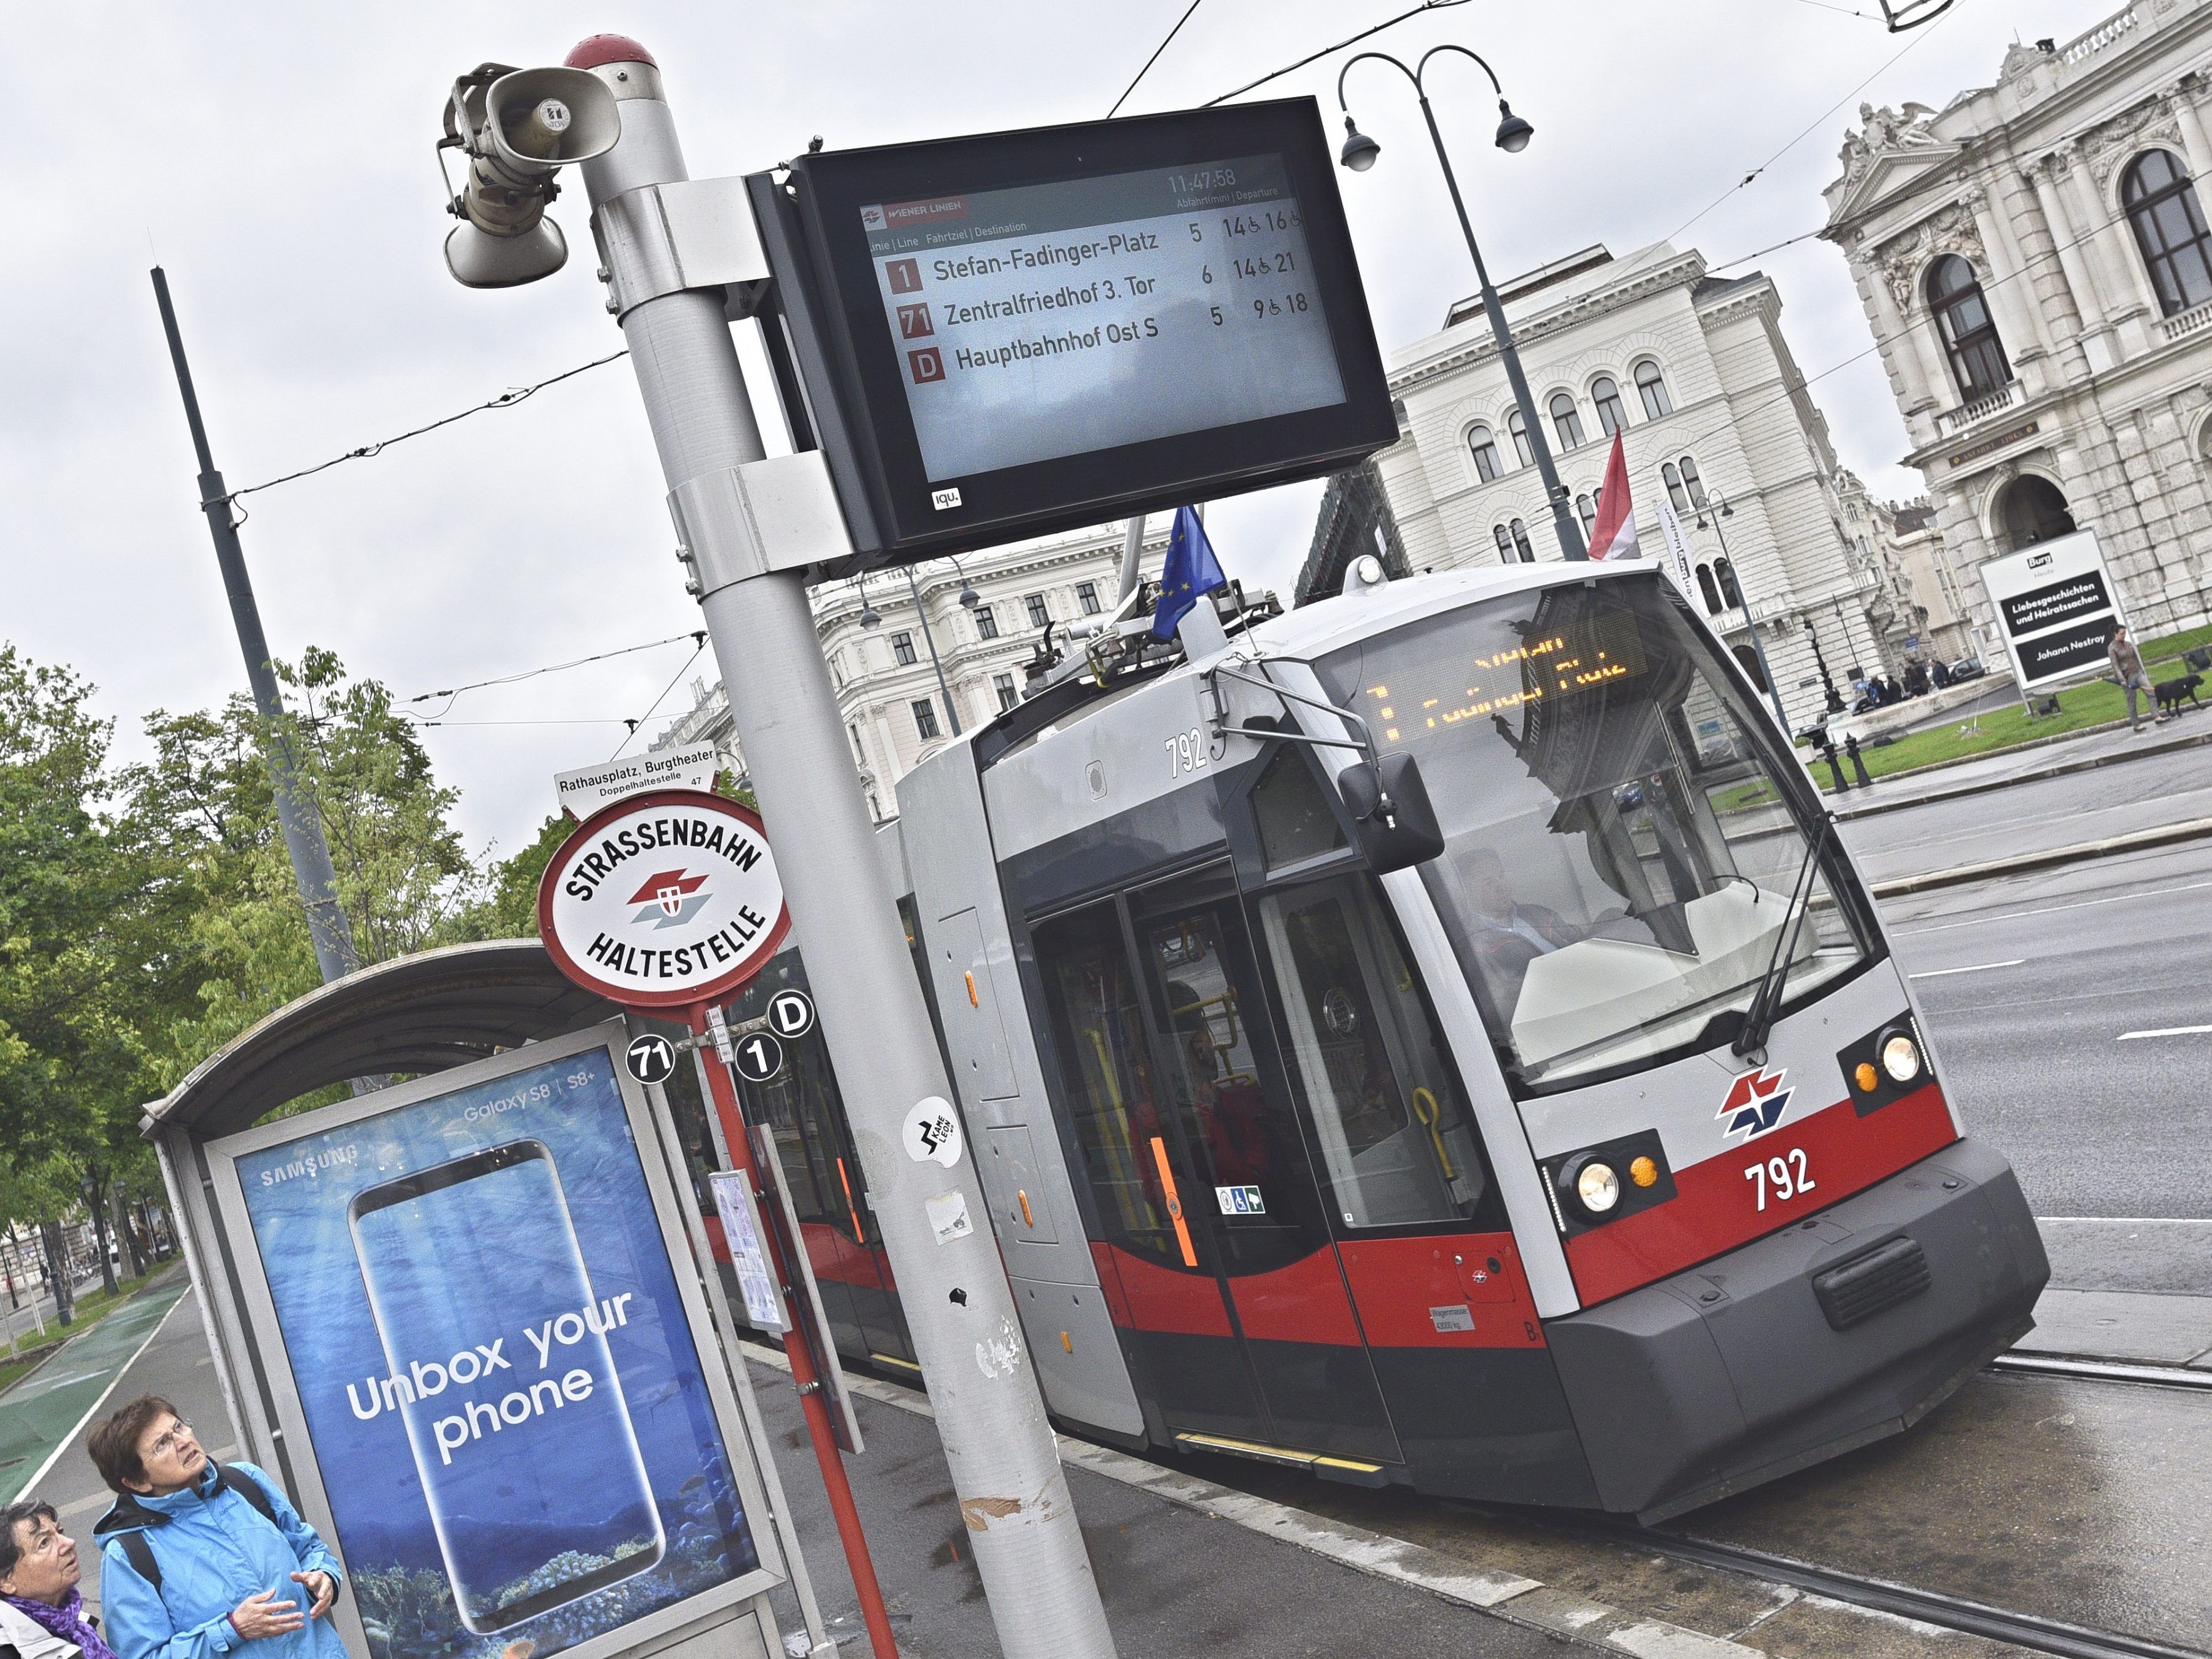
[[1597, 1186], [1900, 1057]]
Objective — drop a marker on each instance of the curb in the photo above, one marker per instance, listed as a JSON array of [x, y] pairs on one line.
[[1525, 1601], [2089, 763], [2165, 835]]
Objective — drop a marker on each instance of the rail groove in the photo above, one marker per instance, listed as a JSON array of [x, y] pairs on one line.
[[2102, 1370]]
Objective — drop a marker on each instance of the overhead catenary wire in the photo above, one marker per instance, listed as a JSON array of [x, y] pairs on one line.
[[1154, 58], [1349, 40], [697, 636], [638, 723]]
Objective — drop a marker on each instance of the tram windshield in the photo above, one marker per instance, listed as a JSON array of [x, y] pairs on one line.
[[1619, 850]]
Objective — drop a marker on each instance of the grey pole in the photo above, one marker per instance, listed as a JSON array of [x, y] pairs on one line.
[[1758, 645], [929, 639], [1133, 553], [301, 820], [1021, 1520], [1563, 518]]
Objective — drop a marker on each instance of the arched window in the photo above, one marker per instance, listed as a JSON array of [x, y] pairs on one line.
[[1521, 543], [1969, 335], [1487, 466], [1692, 484], [2170, 229], [1724, 574], [1611, 417], [1711, 593], [1504, 543], [1519, 428], [1586, 510], [1653, 389], [1673, 478], [1566, 421]]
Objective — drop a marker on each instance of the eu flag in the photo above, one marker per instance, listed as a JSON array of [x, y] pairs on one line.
[[1191, 570]]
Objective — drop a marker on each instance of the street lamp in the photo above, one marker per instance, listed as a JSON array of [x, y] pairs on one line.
[[870, 617], [929, 639], [970, 598], [1358, 154], [1720, 509]]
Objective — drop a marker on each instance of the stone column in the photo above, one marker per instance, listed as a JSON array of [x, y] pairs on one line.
[[1911, 344], [2108, 249], [2181, 98], [2062, 270]]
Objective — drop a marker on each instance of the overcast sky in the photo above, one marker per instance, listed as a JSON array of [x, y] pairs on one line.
[[277, 160]]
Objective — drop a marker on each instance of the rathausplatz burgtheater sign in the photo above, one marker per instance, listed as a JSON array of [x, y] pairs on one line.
[[664, 900]]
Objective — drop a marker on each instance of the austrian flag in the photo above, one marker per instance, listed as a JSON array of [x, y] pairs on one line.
[[1614, 535]]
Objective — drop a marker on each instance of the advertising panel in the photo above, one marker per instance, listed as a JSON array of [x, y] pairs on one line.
[[1017, 332], [512, 1418], [2055, 609]]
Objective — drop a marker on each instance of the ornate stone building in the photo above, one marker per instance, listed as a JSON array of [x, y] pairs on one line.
[[2035, 262], [895, 712], [1716, 417]]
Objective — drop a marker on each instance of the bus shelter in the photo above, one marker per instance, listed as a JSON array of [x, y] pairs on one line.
[[466, 1310]]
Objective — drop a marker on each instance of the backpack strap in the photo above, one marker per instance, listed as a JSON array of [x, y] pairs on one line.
[[141, 1556], [250, 1490]]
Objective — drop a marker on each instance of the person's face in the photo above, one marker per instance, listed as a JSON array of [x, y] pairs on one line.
[[45, 1563], [1492, 892], [170, 1455]]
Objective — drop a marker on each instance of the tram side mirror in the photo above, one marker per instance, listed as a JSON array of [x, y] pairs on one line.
[[1391, 817]]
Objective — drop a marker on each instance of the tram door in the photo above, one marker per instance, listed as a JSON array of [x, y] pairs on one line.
[[1202, 1151]]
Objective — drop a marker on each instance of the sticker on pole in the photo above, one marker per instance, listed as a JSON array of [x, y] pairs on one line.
[[665, 900], [948, 1217], [932, 1133], [741, 1230]]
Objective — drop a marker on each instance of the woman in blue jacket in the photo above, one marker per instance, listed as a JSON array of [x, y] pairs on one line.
[[199, 1558]]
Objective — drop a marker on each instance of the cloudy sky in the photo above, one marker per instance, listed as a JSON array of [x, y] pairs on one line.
[[276, 159]]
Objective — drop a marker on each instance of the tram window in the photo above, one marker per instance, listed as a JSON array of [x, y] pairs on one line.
[[1385, 1107], [802, 1111], [1295, 821], [1619, 844], [1098, 1034]]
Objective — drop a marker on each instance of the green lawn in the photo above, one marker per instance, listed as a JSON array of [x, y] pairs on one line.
[[91, 1308], [2095, 704]]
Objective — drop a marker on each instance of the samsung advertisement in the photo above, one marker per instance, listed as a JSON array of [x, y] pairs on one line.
[[496, 1364]]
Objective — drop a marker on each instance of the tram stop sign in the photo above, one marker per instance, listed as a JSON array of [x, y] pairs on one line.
[[665, 899]]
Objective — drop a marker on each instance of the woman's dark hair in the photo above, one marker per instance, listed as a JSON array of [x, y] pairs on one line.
[[14, 1516], [114, 1444]]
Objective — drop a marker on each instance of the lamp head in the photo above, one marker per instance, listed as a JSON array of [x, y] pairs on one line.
[[1359, 150], [870, 617], [1513, 132], [970, 598]]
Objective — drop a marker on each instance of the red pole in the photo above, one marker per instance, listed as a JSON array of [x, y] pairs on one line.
[[803, 1375]]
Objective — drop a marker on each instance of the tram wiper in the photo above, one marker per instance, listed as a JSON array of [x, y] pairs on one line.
[[1766, 1003]]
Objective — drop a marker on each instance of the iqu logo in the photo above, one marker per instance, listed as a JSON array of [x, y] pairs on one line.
[[1755, 1103]]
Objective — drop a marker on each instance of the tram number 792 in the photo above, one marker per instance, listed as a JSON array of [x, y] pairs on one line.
[[1785, 1173], [1185, 752]]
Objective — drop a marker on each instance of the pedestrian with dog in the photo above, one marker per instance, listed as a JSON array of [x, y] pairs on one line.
[[2128, 664], [199, 1558]]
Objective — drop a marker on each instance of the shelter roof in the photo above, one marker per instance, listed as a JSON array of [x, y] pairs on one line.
[[413, 1015]]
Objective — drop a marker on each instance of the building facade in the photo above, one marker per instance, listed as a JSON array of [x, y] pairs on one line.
[[1716, 417], [886, 669], [1354, 519], [2034, 260]]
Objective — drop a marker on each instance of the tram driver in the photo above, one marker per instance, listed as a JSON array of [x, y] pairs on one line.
[[1506, 933]]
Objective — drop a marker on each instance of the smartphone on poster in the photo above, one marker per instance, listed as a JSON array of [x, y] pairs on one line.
[[499, 1367]]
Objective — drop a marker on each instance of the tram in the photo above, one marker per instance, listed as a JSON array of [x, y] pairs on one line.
[[1437, 1039]]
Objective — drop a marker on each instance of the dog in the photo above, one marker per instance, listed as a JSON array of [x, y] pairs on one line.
[[2170, 692]]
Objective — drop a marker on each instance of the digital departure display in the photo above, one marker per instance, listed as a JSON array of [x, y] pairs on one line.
[[1016, 334], [1453, 684], [1056, 319]]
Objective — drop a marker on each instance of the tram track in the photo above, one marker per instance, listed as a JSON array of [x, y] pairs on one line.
[[2033, 1631], [2103, 1370]]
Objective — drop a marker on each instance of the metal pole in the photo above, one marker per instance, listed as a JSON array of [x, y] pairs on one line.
[[301, 820], [1020, 1519], [1133, 550], [1758, 645], [929, 639], [1563, 518]]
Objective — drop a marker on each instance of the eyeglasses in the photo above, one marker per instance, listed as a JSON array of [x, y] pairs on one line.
[[169, 1439]]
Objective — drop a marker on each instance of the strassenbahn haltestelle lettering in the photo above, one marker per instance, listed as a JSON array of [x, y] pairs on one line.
[[711, 835]]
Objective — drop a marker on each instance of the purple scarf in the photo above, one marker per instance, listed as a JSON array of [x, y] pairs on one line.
[[67, 1621]]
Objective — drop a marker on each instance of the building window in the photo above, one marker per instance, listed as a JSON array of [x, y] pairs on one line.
[[1038, 615], [1672, 477], [1692, 484], [1086, 595], [2169, 223], [1487, 466], [1724, 574], [1004, 685], [1611, 417], [1566, 421], [1519, 429], [1710, 595], [987, 625], [1970, 336], [1521, 543], [1504, 543], [858, 753], [1586, 510], [903, 650], [925, 717], [1652, 388]]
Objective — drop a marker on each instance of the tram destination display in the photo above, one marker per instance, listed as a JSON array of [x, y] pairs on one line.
[[1006, 335]]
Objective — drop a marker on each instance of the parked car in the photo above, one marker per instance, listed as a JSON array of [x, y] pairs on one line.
[[1967, 668]]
